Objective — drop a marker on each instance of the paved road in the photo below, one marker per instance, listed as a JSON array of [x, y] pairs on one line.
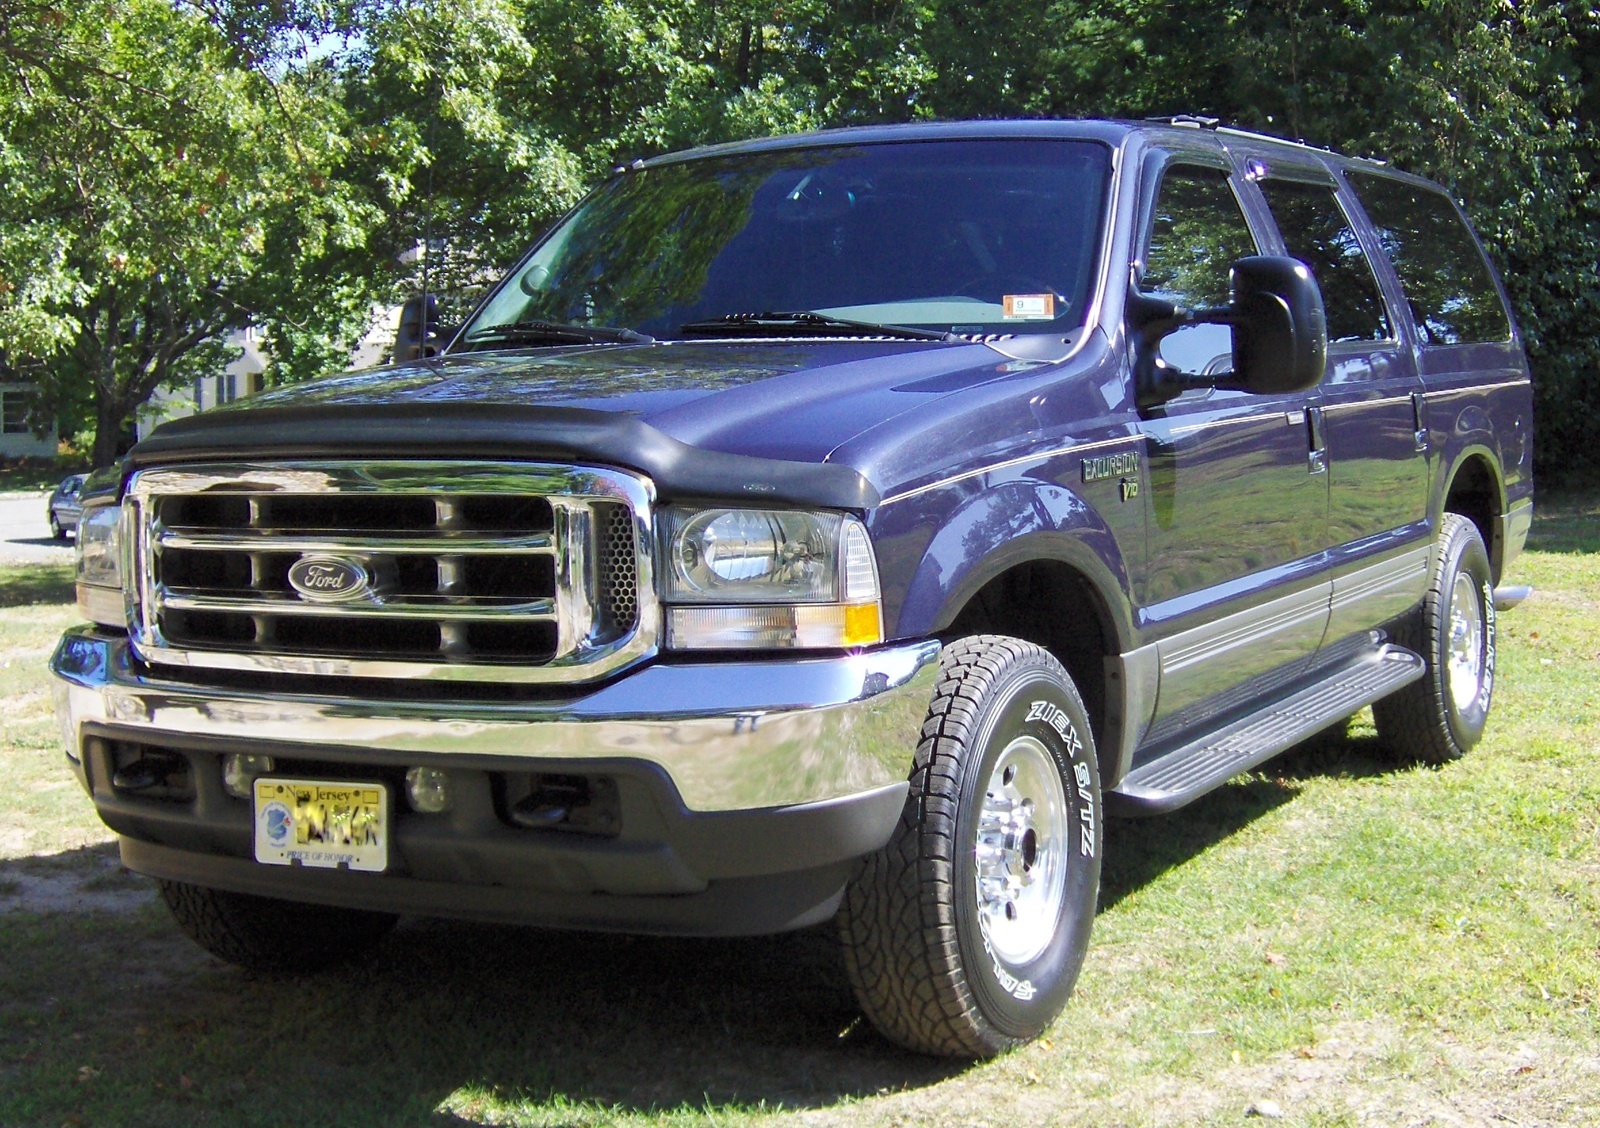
[[25, 532]]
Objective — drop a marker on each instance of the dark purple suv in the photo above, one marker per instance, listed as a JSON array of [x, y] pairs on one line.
[[841, 525]]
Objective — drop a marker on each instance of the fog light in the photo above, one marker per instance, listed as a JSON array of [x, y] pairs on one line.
[[428, 789], [239, 772]]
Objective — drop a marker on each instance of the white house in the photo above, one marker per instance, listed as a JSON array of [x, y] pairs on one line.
[[17, 439], [243, 376]]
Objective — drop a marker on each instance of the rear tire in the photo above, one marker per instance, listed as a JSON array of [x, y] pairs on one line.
[[1439, 717], [56, 531], [964, 935], [265, 934]]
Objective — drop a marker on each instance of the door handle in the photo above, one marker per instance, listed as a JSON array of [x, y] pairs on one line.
[[1419, 431], [1317, 460]]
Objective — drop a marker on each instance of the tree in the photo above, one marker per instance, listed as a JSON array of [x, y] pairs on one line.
[[157, 192]]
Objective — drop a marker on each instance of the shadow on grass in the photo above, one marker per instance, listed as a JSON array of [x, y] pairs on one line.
[[581, 1027], [496, 1023], [36, 583], [1567, 521], [1138, 851]]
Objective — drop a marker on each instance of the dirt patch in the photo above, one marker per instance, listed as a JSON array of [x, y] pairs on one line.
[[1367, 1073], [89, 881]]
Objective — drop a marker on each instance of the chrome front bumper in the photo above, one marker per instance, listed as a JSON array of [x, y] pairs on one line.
[[730, 736]]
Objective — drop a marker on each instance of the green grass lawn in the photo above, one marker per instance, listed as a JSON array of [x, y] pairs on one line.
[[1353, 941], [36, 473]]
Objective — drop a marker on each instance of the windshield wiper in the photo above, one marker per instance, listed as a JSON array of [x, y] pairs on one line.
[[803, 323], [533, 332]]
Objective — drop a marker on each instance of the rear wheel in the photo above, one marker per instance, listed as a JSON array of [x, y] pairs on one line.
[[1441, 716], [56, 531], [965, 934], [265, 934]]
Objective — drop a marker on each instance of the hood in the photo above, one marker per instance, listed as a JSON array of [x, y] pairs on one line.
[[794, 401]]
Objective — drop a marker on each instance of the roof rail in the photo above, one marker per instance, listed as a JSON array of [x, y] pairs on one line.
[[1192, 121]]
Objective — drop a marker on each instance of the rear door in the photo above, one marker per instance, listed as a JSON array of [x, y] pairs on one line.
[[1371, 404]]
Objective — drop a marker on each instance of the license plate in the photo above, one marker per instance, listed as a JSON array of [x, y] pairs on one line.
[[318, 823]]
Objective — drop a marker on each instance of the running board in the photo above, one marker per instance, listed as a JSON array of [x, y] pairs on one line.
[[1192, 769]]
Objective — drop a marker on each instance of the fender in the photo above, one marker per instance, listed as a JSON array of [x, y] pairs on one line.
[[1010, 524]]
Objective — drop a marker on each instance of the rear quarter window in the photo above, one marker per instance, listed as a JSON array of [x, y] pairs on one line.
[[1447, 281]]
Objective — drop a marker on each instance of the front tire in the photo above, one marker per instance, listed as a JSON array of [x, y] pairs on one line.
[[264, 934], [1438, 718], [964, 935], [56, 531]]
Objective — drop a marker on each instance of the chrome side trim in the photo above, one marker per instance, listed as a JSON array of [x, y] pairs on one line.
[[730, 735], [1456, 389], [1250, 627], [1376, 593], [1134, 679], [1209, 660], [1353, 404], [1230, 421], [1023, 460], [569, 490], [1408, 571]]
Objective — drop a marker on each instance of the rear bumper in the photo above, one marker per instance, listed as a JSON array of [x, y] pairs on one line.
[[745, 788]]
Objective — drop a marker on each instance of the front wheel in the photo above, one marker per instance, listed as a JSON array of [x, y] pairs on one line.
[[265, 934], [964, 935], [1441, 716], [56, 531]]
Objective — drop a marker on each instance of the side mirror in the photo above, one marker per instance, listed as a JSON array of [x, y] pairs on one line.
[[1280, 333], [420, 333], [1280, 329]]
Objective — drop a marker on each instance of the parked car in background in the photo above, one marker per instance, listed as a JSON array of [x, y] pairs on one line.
[[66, 506]]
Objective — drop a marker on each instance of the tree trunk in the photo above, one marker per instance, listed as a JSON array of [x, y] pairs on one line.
[[110, 415]]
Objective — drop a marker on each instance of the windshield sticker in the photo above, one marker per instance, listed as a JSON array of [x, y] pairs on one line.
[[1030, 307]]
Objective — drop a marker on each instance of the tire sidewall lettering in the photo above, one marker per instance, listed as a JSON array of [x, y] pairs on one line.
[[1466, 725], [1031, 704]]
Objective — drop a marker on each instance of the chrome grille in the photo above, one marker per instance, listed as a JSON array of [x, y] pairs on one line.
[[494, 571]]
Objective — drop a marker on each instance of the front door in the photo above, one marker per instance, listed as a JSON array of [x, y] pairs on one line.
[[1235, 589]]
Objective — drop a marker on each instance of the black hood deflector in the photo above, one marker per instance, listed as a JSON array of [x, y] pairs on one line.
[[466, 430]]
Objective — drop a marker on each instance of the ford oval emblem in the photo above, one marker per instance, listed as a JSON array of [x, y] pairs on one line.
[[330, 579]]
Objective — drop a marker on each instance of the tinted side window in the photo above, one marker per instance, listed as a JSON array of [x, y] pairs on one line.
[[1196, 234], [1317, 233], [1447, 281]]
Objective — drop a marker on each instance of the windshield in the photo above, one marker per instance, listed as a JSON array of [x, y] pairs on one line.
[[957, 236]]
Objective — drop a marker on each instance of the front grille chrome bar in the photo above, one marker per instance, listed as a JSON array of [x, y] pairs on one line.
[[533, 610], [475, 571], [259, 541]]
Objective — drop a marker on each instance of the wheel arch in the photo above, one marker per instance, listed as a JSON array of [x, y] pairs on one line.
[[1034, 561], [1475, 488]]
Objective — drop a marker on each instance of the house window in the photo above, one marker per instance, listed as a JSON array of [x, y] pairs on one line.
[[14, 408]]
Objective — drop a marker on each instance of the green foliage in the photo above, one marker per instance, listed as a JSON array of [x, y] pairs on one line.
[[330, 141], [151, 183]]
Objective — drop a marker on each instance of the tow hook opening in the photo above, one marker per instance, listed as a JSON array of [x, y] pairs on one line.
[[575, 804], [151, 773]]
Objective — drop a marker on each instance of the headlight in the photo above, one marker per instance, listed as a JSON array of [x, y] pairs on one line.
[[758, 578], [100, 566]]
